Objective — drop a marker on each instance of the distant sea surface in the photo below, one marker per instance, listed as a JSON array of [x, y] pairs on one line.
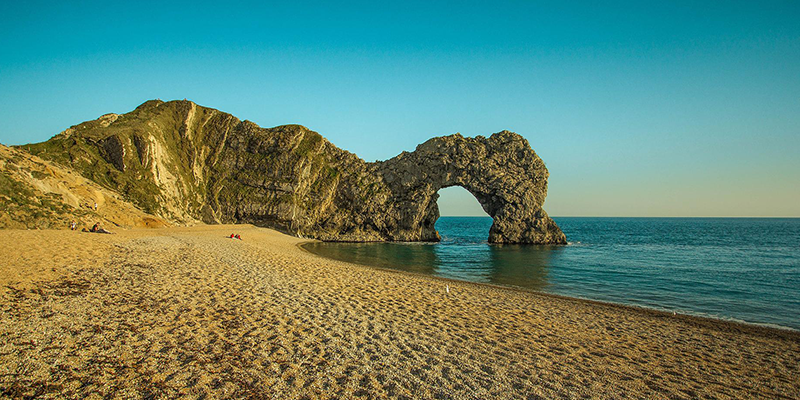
[[743, 269]]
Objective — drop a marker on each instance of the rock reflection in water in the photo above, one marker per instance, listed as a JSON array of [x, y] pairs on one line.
[[417, 258], [463, 254], [523, 266]]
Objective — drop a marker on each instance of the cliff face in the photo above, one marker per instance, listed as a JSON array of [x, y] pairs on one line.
[[188, 163]]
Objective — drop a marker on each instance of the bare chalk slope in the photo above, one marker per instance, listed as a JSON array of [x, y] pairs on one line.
[[37, 193]]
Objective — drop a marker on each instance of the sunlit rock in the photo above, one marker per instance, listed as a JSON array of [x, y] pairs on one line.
[[188, 163]]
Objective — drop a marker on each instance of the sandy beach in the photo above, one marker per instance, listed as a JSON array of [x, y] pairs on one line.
[[188, 312]]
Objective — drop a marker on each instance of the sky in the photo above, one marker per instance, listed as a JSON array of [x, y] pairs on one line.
[[678, 108]]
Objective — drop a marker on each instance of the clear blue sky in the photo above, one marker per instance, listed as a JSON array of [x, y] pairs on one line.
[[638, 108]]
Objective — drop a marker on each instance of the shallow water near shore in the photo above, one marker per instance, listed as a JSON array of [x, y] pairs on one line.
[[744, 269]]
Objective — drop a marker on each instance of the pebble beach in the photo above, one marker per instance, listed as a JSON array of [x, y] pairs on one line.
[[191, 313]]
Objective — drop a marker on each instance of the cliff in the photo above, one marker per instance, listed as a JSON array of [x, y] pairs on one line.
[[187, 163]]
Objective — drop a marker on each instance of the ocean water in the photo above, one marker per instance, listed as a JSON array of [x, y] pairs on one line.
[[743, 269]]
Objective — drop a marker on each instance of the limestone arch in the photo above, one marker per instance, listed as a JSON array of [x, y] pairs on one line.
[[503, 173]]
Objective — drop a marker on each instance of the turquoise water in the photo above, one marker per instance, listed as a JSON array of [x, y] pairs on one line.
[[744, 269]]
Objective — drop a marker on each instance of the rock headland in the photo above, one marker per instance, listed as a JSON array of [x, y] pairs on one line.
[[187, 163]]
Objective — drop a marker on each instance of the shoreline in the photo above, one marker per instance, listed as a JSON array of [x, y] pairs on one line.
[[188, 312], [699, 320]]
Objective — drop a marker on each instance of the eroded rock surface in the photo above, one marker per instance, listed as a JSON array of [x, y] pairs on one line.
[[188, 163], [503, 173]]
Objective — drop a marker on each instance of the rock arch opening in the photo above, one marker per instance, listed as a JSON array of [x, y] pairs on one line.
[[455, 201], [462, 219]]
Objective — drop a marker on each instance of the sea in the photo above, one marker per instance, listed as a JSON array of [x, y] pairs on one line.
[[740, 269]]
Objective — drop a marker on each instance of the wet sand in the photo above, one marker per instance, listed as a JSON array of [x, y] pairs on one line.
[[187, 312]]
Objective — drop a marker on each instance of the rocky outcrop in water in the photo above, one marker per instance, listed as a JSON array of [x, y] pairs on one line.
[[502, 171], [188, 163]]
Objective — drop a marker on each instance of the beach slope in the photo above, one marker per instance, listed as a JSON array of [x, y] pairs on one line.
[[189, 312]]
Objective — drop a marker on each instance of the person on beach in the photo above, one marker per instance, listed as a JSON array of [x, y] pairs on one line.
[[96, 228], [238, 237], [73, 226]]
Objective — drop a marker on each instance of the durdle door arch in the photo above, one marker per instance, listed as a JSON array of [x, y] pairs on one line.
[[503, 173]]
